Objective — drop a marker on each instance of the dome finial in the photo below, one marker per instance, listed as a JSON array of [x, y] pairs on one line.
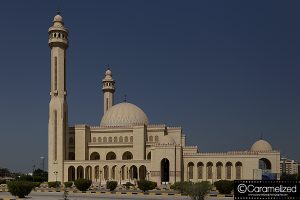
[[58, 11], [261, 135]]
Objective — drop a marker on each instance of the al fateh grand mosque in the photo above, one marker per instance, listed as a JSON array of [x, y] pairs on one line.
[[126, 147]]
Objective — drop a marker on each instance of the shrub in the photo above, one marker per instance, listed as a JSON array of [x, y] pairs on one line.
[[54, 184], [111, 185], [83, 184], [128, 184], [146, 185], [224, 186], [181, 186], [198, 191], [20, 188], [68, 184]]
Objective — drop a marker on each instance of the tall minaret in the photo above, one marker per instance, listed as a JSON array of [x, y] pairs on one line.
[[108, 88], [58, 108]]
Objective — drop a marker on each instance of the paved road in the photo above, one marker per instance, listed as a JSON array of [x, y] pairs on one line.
[[59, 196]]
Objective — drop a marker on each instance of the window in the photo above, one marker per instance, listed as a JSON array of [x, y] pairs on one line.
[[55, 73], [156, 138], [151, 139], [94, 139], [219, 170], [200, 170], [209, 170]]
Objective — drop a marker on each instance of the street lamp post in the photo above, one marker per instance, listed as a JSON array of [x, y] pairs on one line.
[[148, 173], [55, 173], [100, 177], [120, 176]]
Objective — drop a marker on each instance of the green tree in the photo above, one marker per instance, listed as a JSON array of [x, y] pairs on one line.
[[224, 186], [83, 184], [146, 185], [20, 188], [111, 185], [197, 191]]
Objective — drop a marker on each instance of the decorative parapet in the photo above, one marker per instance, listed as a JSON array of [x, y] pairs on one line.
[[222, 153], [156, 126]]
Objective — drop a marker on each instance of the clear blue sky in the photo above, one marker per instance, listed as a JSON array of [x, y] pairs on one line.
[[226, 71]]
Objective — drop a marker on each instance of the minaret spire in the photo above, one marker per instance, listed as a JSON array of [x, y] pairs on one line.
[[58, 107], [108, 88]]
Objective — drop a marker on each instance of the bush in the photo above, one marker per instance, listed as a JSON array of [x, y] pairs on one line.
[[111, 185], [68, 184], [83, 184], [181, 186], [146, 185], [197, 191], [54, 184], [128, 185], [224, 186], [20, 188]]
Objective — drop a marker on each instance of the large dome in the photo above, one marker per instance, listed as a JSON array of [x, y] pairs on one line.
[[124, 114], [261, 145]]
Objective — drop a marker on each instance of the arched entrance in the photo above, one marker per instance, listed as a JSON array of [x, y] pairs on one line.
[[142, 172], [80, 172], [106, 172], [88, 172], [133, 172], [165, 170], [264, 164], [71, 173]]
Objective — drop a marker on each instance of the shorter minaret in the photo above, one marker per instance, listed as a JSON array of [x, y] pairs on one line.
[[108, 88]]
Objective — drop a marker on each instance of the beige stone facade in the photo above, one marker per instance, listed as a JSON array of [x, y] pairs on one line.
[[126, 147]]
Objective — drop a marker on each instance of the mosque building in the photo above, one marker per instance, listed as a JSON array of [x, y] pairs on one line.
[[126, 147]]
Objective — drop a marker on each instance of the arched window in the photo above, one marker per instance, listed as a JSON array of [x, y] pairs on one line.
[[151, 139], [99, 139], [120, 139], [79, 172], [126, 139], [149, 156], [94, 139], [200, 170], [71, 173], [127, 156], [219, 170], [190, 171], [238, 170], [264, 164], [115, 139], [95, 156], [111, 156], [110, 139], [156, 138], [209, 166], [131, 138], [105, 139], [228, 170]]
